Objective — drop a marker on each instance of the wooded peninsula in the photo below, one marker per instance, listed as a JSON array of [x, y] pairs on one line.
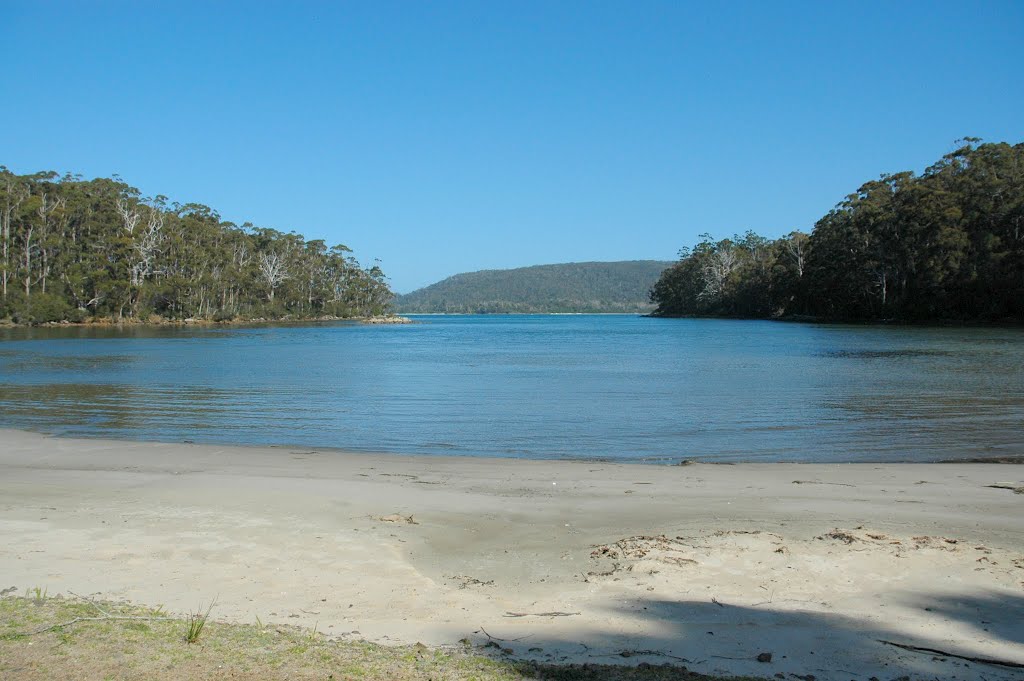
[[96, 250], [577, 287], [945, 245]]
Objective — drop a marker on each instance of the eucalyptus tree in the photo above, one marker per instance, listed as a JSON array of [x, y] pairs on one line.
[[71, 249], [948, 243], [274, 270], [15, 192]]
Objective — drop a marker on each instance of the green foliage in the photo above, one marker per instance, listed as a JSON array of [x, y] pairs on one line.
[[948, 244], [43, 307], [72, 249], [570, 287]]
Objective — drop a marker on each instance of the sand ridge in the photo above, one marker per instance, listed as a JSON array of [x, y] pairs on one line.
[[706, 566]]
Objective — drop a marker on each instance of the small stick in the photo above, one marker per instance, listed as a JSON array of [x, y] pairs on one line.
[[541, 614], [94, 619], [943, 653], [92, 603], [652, 653], [507, 640]]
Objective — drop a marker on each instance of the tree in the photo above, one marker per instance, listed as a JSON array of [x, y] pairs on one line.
[[14, 194], [946, 244], [73, 248], [273, 270]]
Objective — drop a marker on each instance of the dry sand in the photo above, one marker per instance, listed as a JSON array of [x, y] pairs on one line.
[[707, 566]]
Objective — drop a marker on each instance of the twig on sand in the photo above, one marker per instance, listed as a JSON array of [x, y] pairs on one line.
[[819, 482], [650, 653], [717, 602], [506, 640], [943, 653], [541, 614], [1016, 489]]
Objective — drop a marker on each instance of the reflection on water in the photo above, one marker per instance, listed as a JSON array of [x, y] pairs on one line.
[[885, 354], [615, 387], [37, 362]]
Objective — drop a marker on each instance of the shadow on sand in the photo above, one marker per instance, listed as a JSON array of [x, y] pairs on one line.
[[723, 639]]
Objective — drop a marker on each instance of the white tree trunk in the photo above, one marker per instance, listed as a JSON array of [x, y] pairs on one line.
[[273, 270]]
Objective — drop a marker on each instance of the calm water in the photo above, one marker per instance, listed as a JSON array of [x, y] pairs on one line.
[[617, 387]]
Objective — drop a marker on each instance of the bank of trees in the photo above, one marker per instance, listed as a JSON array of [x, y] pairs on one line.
[[561, 288], [74, 249], [947, 244]]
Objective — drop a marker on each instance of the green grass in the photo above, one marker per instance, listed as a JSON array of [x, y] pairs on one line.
[[197, 622], [152, 645]]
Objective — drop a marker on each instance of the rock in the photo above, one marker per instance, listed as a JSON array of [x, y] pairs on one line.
[[764, 657]]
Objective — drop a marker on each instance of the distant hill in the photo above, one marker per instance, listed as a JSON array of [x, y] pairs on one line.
[[567, 287]]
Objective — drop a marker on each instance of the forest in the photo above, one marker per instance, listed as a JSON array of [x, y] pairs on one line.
[[96, 250], [944, 245]]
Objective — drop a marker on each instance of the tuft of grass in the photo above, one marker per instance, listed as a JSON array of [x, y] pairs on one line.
[[196, 622]]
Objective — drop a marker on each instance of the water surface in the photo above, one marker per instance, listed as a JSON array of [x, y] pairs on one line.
[[534, 386]]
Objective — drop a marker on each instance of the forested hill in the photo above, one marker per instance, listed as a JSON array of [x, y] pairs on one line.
[[78, 250], [945, 245], [569, 287]]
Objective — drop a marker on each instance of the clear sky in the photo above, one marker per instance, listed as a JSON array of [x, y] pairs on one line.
[[443, 137]]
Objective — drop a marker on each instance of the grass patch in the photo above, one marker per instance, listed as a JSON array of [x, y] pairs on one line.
[[144, 643], [197, 622]]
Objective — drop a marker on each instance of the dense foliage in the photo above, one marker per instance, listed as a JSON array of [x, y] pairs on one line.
[[73, 249], [569, 287], [948, 244]]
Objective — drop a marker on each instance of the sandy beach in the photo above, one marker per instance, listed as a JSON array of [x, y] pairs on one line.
[[824, 567]]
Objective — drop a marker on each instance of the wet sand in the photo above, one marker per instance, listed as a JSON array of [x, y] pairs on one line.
[[706, 566]]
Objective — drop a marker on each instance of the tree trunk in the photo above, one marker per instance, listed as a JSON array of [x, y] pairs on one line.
[[28, 263]]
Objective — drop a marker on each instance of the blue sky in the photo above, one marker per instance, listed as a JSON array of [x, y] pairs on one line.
[[443, 137]]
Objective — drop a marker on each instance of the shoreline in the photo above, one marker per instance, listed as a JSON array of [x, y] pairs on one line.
[[1009, 323], [1000, 459], [814, 563], [195, 321]]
